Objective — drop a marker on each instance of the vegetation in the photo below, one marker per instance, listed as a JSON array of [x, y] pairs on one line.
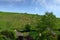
[[40, 27]]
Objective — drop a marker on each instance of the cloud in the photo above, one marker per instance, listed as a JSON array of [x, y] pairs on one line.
[[56, 1], [48, 4]]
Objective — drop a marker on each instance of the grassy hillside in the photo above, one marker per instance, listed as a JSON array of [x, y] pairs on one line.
[[17, 20], [9, 20]]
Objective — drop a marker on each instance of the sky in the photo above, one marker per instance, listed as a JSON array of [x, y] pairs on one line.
[[31, 6]]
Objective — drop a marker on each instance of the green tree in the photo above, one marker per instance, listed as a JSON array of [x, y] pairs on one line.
[[49, 22], [46, 25]]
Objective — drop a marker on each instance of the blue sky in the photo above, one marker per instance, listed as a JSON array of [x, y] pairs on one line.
[[31, 6]]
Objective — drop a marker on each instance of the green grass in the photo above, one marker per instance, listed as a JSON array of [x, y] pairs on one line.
[[17, 20], [11, 20]]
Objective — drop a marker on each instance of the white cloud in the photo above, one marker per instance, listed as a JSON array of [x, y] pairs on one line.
[[49, 4], [56, 1]]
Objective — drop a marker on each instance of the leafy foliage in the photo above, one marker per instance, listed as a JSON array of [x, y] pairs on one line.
[[8, 35], [28, 27]]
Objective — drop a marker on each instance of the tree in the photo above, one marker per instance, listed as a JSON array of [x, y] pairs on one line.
[[46, 24], [49, 22]]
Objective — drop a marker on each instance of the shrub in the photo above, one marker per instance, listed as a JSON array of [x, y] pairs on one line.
[[2, 37], [8, 34]]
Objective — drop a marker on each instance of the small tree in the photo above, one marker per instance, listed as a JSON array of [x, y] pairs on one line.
[[46, 24], [49, 22]]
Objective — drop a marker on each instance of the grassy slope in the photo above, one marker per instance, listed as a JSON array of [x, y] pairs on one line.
[[19, 20]]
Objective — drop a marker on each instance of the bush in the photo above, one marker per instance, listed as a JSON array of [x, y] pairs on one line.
[[35, 35], [8, 34], [2, 37], [27, 27]]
